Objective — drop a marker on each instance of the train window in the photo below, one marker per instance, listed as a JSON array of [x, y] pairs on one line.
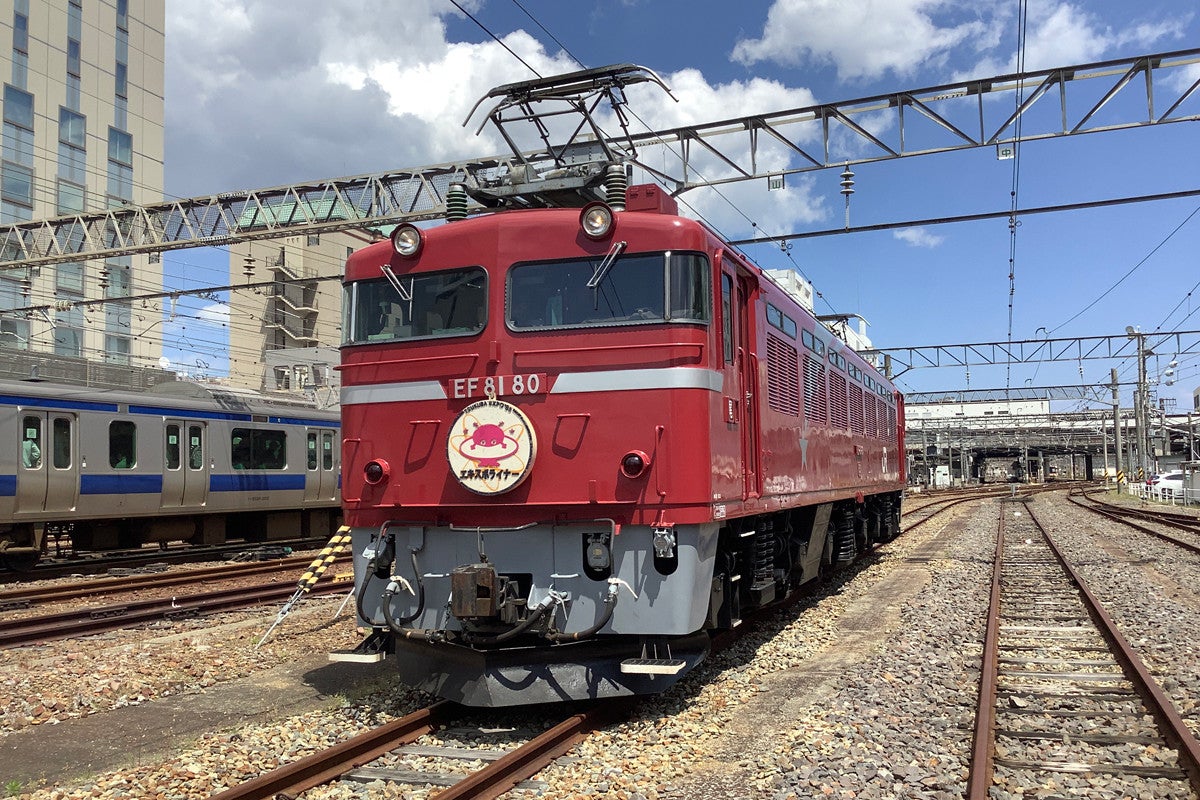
[[258, 449], [781, 321], [420, 306], [632, 289], [62, 443], [813, 343], [312, 451], [122, 444], [173, 447], [727, 316], [31, 442], [195, 447], [327, 450]]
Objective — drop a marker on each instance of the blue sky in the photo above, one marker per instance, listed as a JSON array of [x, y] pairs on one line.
[[260, 96]]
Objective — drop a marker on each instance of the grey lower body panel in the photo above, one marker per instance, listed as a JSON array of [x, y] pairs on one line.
[[588, 670]]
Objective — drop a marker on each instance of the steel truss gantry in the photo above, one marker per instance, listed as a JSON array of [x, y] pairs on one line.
[[899, 360], [1090, 98]]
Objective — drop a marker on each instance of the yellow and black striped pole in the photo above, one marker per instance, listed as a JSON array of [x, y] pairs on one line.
[[339, 542]]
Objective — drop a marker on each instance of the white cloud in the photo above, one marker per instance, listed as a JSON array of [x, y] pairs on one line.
[[330, 89], [862, 39], [918, 237], [214, 314], [1058, 34], [866, 39]]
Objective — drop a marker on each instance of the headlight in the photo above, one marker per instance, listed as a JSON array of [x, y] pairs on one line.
[[406, 240], [596, 219]]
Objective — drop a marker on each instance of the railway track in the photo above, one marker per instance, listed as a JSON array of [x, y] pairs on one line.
[[93, 563], [29, 596], [396, 753], [1062, 692], [98, 619], [916, 517], [1186, 523]]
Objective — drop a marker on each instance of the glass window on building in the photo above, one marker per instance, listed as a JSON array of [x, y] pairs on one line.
[[73, 57], [120, 146], [14, 331], [116, 349], [120, 281], [21, 33], [68, 333], [122, 80], [71, 198], [72, 128], [16, 184], [72, 164], [120, 184], [18, 107]]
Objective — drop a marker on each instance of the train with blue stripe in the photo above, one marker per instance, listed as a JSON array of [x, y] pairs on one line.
[[180, 462]]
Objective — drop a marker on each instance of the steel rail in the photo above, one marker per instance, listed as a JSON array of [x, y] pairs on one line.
[[327, 765], [506, 772], [1170, 722], [1117, 516], [51, 627], [45, 594], [1185, 521], [983, 747]]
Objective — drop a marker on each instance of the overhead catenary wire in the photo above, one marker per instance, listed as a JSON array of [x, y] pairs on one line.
[[1013, 223]]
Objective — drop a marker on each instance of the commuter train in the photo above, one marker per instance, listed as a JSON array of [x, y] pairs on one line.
[[577, 442], [178, 462]]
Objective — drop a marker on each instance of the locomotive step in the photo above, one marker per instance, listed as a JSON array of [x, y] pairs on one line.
[[652, 666]]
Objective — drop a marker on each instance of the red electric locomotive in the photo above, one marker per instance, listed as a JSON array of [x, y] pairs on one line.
[[576, 442]]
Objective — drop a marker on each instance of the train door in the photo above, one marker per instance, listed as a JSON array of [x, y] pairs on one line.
[[747, 367], [321, 473], [48, 471], [185, 464]]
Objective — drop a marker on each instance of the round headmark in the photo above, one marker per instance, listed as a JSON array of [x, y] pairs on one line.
[[491, 447]]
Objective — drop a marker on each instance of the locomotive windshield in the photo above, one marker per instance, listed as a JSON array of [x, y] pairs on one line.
[[634, 289], [421, 306]]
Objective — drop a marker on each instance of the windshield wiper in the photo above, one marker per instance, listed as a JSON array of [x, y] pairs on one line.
[[405, 294], [606, 265]]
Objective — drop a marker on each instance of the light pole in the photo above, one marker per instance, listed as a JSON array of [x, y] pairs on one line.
[[1116, 428]]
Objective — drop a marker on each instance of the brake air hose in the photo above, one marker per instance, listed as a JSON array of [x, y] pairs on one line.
[[610, 603]]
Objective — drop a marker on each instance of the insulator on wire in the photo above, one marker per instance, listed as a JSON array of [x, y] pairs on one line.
[[615, 185], [456, 202]]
